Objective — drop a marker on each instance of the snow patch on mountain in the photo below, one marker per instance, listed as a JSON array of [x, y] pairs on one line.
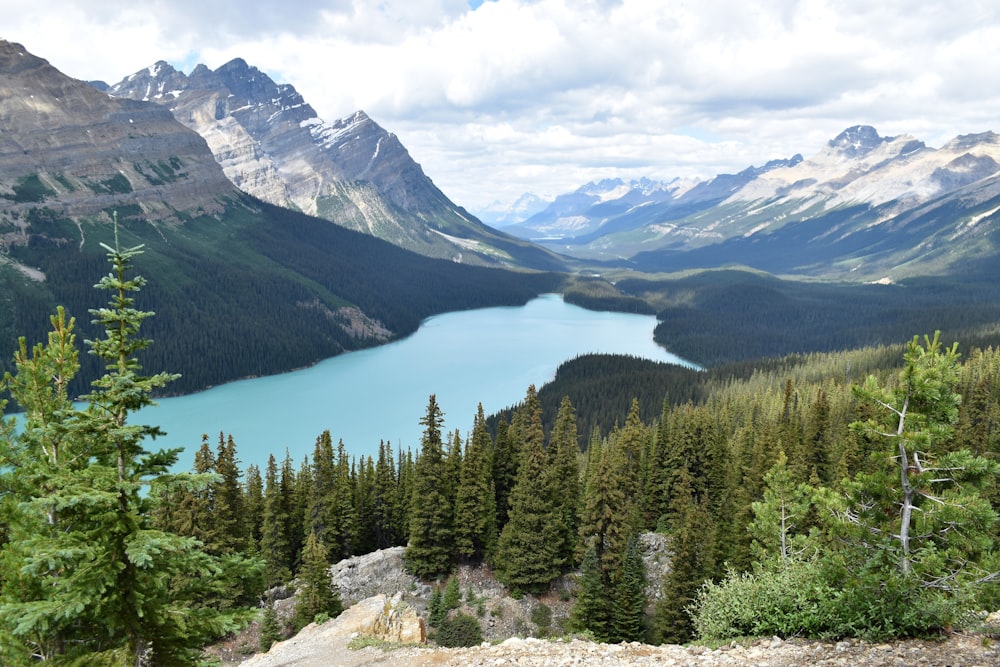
[[861, 167]]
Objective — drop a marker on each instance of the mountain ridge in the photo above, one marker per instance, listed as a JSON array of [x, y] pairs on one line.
[[861, 190], [351, 171]]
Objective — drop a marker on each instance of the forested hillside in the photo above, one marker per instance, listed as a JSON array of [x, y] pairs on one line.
[[721, 316], [225, 289]]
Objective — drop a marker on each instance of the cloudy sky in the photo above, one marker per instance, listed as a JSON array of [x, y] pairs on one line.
[[496, 98]]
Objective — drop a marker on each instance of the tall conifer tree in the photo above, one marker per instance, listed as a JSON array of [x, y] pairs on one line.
[[432, 536], [96, 584], [475, 512], [564, 454], [528, 551]]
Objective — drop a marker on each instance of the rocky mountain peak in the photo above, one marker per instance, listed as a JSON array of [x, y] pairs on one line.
[[249, 83], [857, 141], [86, 151], [272, 145]]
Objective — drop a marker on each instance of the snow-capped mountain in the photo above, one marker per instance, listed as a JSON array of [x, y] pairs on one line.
[[858, 166], [592, 206], [854, 209], [272, 145], [501, 215]]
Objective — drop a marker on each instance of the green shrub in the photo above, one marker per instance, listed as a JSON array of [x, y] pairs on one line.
[[30, 188], [804, 599], [541, 615], [460, 630], [884, 608], [779, 601], [270, 630], [452, 594]]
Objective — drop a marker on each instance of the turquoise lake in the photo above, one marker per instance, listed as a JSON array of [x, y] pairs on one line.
[[487, 356]]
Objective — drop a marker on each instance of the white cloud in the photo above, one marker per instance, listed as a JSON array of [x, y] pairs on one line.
[[543, 95]]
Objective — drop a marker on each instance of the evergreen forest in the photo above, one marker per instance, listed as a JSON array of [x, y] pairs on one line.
[[828, 494]]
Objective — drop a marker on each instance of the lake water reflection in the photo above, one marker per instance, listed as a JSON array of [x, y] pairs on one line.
[[488, 356]]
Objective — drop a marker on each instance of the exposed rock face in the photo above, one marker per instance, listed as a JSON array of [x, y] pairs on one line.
[[272, 145], [376, 573], [384, 618], [75, 150]]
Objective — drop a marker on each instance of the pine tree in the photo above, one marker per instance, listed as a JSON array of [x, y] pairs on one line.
[[475, 513], [628, 607], [917, 518], [564, 466], [527, 557], [96, 583], [432, 536], [316, 593]]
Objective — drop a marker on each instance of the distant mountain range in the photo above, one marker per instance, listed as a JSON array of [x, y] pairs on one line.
[[863, 207]]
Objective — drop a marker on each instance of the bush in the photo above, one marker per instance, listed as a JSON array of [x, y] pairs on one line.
[[541, 615], [270, 630], [803, 599], [788, 601], [460, 630], [890, 607]]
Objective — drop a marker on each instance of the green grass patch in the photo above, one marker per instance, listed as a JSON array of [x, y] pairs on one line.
[[30, 188]]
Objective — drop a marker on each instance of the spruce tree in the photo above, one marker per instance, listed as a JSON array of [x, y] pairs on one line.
[[564, 454], [275, 545], [691, 564], [316, 593], [253, 492], [506, 458], [319, 512], [628, 606], [96, 583], [528, 551], [592, 608], [432, 536], [228, 508], [364, 511], [475, 512], [343, 517], [385, 500]]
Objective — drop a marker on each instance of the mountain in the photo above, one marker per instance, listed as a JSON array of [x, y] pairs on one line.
[[272, 145], [864, 207], [501, 215], [240, 287], [592, 206], [81, 152]]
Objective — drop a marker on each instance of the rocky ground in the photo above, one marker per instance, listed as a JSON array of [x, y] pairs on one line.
[[319, 646], [372, 583]]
